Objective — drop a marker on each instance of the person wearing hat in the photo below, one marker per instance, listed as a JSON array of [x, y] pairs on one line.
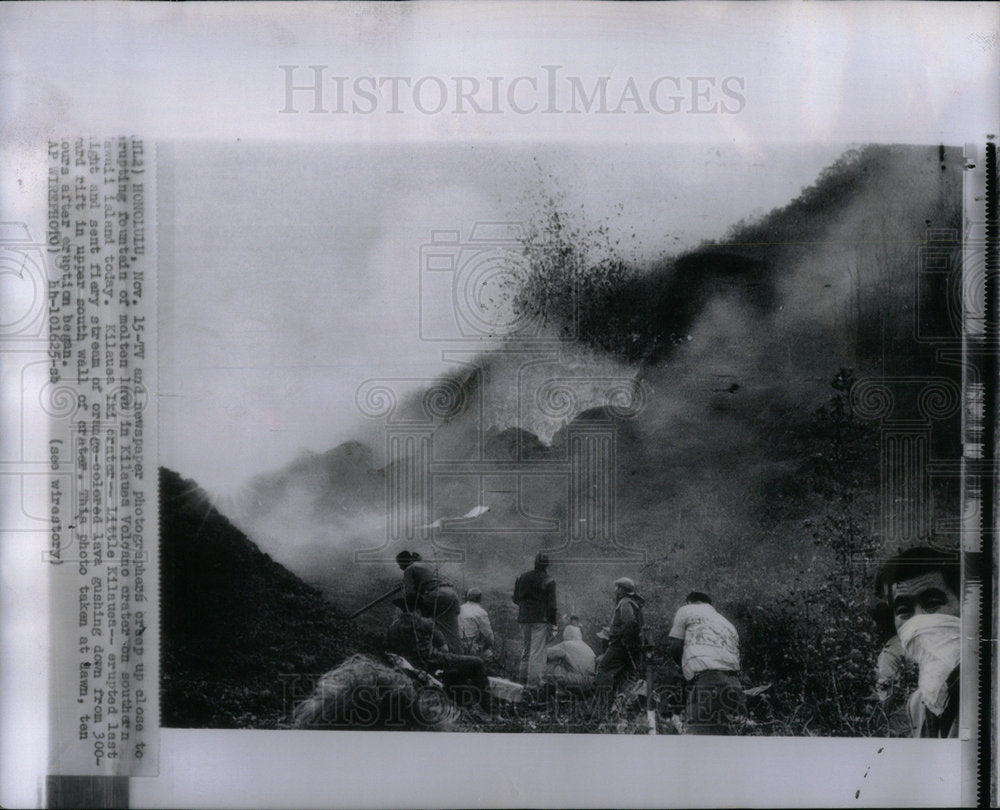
[[535, 597], [474, 624], [571, 663], [419, 641], [624, 652], [707, 647], [433, 595]]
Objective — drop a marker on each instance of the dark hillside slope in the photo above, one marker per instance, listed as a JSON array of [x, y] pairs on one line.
[[235, 624]]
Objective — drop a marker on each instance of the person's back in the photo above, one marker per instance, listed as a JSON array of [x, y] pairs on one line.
[[471, 615], [707, 647], [580, 657], [534, 595], [572, 662], [710, 640], [474, 625], [415, 638], [626, 623], [420, 578], [433, 595], [477, 632]]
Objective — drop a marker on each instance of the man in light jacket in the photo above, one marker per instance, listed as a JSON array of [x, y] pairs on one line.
[[474, 624], [572, 662]]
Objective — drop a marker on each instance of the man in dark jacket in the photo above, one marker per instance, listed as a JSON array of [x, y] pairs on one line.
[[624, 653], [535, 597], [433, 595], [421, 643]]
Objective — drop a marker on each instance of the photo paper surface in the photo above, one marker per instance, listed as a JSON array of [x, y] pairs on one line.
[[420, 405]]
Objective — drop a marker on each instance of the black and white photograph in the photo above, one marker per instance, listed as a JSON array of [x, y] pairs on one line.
[[652, 458], [498, 405]]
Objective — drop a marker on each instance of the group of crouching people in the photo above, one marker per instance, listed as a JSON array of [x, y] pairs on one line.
[[455, 640], [434, 630]]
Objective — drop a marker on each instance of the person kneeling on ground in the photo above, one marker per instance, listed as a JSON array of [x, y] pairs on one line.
[[416, 639], [707, 647], [474, 624], [571, 663]]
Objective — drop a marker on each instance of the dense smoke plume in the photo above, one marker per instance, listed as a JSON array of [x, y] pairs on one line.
[[727, 351]]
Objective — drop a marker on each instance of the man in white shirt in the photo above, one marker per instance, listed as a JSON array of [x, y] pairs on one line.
[[707, 647]]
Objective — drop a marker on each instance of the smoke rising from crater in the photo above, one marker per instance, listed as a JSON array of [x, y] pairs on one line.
[[730, 347]]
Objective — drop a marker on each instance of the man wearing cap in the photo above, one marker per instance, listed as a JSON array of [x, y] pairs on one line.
[[707, 647], [420, 642], [474, 624], [624, 652], [535, 597], [433, 596]]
